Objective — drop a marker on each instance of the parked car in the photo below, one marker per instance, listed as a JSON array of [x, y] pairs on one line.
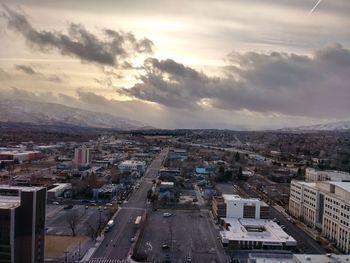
[[55, 203]]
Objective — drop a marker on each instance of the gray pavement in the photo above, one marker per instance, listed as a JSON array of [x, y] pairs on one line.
[[187, 233]]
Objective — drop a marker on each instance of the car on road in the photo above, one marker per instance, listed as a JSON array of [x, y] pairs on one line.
[[167, 214], [109, 204], [165, 246], [68, 207], [188, 259], [55, 203]]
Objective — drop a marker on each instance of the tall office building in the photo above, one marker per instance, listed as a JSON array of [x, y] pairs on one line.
[[82, 155], [324, 205], [22, 224]]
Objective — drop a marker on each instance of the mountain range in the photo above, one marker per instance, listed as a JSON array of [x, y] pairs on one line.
[[42, 113], [332, 126]]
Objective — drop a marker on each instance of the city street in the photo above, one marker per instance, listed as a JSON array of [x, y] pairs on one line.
[[117, 242]]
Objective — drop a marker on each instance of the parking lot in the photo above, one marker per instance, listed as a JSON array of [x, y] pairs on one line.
[[184, 234], [57, 218]]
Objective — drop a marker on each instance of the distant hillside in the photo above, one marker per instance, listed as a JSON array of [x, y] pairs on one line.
[[40, 113], [334, 126]]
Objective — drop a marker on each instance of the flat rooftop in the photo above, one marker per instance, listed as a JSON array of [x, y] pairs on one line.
[[327, 258], [343, 185], [7, 202], [271, 257], [9, 205], [237, 197], [21, 188], [255, 230]]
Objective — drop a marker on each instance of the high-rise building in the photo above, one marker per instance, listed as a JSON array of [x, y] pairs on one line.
[[324, 205], [22, 224], [82, 155]]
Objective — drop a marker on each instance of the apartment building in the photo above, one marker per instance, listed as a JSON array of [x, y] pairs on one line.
[[82, 155], [22, 224], [324, 205]]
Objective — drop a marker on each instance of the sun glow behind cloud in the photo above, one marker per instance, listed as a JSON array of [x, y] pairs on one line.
[[196, 34]]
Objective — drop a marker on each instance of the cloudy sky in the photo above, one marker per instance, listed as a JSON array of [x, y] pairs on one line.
[[251, 64]]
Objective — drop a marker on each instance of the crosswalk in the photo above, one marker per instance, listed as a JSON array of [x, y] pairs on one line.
[[106, 260]]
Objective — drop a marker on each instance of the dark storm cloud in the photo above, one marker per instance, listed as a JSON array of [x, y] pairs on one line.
[[29, 70], [284, 83], [113, 49], [26, 69]]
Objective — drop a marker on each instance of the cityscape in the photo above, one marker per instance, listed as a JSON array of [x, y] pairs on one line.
[[126, 137]]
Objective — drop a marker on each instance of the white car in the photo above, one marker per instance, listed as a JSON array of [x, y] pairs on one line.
[[55, 203], [167, 214]]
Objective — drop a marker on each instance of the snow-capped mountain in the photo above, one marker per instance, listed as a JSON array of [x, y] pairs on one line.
[[333, 126], [26, 111]]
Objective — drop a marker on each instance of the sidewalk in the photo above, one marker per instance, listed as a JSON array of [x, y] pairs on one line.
[[96, 244]]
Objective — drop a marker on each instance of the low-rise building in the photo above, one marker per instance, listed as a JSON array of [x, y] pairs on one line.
[[58, 190], [237, 207], [270, 258], [20, 156], [132, 165], [242, 233], [178, 155], [244, 226], [312, 175], [326, 258]]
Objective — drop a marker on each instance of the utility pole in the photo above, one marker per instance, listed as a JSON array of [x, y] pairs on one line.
[[99, 220], [79, 250]]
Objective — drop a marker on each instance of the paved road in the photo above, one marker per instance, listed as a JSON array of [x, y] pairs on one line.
[[305, 243], [188, 233], [117, 243]]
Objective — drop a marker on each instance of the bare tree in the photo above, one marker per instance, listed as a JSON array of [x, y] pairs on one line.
[[72, 221], [92, 230]]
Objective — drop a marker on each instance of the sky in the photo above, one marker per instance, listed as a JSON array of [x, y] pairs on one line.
[[182, 64]]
